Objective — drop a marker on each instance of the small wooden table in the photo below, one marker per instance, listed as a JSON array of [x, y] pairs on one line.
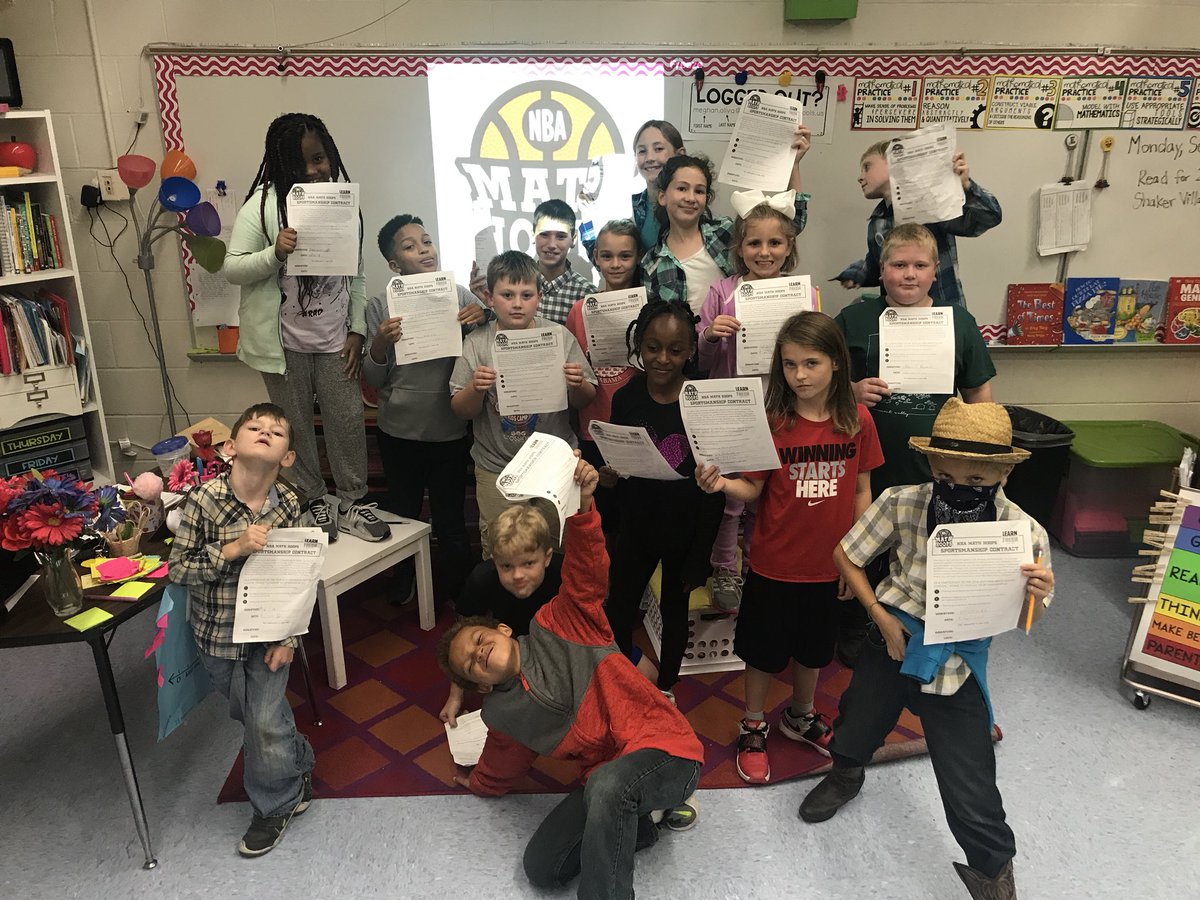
[[350, 561], [32, 623]]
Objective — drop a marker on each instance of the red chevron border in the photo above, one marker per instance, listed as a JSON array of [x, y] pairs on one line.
[[169, 67]]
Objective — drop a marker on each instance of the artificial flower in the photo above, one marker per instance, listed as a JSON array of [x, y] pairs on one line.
[[52, 525], [109, 511], [204, 448], [183, 476], [15, 535]]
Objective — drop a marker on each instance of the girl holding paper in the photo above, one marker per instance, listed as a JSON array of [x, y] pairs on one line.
[[305, 333], [669, 521], [827, 445]]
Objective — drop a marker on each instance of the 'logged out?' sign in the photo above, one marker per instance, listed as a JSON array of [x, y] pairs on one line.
[[713, 106]]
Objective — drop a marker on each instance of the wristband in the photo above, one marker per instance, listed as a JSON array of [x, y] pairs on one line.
[[871, 607]]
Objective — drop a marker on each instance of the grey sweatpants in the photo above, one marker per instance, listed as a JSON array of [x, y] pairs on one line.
[[341, 416]]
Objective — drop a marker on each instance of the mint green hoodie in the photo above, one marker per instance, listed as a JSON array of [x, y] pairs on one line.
[[251, 263]]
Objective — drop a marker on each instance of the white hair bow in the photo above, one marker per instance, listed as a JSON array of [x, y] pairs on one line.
[[744, 201]]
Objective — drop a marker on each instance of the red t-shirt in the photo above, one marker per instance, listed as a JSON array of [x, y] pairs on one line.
[[807, 506], [609, 379]]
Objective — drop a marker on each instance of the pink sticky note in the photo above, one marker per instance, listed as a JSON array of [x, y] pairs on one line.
[[155, 644], [160, 572], [161, 680], [121, 567]]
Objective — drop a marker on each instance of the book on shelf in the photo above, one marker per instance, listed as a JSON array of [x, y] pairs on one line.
[[36, 332], [1183, 310], [1035, 314], [29, 237], [1141, 305], [1089, 310]]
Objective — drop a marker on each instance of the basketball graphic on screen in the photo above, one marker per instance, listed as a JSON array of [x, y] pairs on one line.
[[535, 142]]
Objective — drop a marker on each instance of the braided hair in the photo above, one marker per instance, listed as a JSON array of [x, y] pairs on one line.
[[283, 165], [653, 310]]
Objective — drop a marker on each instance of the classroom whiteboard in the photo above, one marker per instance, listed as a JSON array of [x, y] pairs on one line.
[[377, 108]]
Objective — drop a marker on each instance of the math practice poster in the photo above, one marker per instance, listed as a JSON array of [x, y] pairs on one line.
[[507, 136], [1023, 101], [959, 100], [885, 104]]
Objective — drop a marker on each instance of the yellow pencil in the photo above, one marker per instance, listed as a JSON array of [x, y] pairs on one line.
[[1037, 561]]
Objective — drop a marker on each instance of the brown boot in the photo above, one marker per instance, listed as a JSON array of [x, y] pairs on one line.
[[1002, 887]]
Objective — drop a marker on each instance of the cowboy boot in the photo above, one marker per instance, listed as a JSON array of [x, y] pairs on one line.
[[1002, 887]]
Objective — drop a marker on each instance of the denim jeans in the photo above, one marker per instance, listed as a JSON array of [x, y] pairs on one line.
[[594, 831], [276, 754], [959, 738]]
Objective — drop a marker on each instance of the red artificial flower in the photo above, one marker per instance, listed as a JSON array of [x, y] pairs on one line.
[[7, 493], [50, 524], [15, 535], [204, 448]]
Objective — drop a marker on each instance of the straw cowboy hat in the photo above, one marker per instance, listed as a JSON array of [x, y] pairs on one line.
[[978, 431]]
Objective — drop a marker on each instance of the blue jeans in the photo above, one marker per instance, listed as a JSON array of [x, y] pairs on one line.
[[593, 832], [959, 738], [277, 756]]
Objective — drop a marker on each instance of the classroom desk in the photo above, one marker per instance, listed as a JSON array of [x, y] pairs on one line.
[[31, 623], [351, 561]]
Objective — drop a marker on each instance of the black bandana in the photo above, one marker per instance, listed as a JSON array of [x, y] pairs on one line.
[[961, 503]]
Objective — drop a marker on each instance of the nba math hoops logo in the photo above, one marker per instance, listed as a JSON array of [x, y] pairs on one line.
[[747, 289], [944, 539], [534, 142], [507, 481], [501, 339], [891, 315], [754, 101], [689, 391], [297, 192], [591, 304], [397, 285]]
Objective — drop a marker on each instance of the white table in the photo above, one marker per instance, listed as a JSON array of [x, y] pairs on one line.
[[350, 561]]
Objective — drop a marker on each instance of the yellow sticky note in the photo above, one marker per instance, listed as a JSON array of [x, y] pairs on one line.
[[89, 618], [131, 590]]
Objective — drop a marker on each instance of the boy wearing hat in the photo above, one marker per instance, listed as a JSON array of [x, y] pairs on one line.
[[970, 454]]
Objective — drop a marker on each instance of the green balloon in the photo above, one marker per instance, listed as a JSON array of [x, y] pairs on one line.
[[208, 251]]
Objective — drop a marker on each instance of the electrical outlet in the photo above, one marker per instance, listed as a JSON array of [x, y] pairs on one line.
[[111, 185]]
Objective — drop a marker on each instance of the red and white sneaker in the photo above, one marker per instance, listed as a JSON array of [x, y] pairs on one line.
[[813, 729], [752, 762]]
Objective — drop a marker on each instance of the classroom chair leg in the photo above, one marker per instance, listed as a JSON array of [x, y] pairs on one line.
[[308, 684]]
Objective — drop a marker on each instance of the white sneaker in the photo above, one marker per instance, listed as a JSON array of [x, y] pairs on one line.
[[359, 519]]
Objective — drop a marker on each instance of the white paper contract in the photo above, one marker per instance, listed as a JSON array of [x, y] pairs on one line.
[[726, 424], [921, 167], [278, 586], [606, 318], [762, 306], [429, 305], [325, 217], [629, 450], [1064, 218], [973, 585], [486, 248], [916, 350], [543, 468], [466, 740], [759, 154], [529, 371]]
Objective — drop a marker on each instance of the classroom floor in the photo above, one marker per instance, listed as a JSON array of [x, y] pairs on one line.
[[1100, 795]]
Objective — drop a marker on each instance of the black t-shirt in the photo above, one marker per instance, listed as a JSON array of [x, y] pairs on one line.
[[483, 595]]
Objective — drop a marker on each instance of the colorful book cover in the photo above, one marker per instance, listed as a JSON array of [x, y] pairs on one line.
[[51, 255], [1141, 305], [26, 246], [35, 254], [1035, 315], [15, 233], [1183, 310], [1089, 310], [58, 255]]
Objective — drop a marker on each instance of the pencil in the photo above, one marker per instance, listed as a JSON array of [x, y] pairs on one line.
[[1037, 561]]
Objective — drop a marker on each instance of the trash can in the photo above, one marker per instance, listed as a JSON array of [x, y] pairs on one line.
[[1034, 484]]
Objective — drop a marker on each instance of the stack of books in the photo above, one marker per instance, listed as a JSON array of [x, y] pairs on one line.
[[29, 239], [36, 332]]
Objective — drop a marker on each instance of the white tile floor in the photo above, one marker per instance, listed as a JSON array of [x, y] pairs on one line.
[[1102, 797]]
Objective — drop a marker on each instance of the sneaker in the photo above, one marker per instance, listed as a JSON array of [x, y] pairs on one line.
[[323, 515], [752, 762], [263, 834], [726, 589], [836, 789], [359, 519], [670, 695], [305, 795], [813, 729], [681, 817]]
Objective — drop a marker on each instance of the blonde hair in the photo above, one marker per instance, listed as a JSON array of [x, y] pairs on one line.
[[786, 224], [519, 529], [909, 233], [879, 148]]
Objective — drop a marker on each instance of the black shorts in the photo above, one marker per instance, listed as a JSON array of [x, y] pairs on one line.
[[781, 621]]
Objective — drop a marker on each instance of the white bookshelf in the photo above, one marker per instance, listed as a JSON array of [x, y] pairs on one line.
[[20, 408]]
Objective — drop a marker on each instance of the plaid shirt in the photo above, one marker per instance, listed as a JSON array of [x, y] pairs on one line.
[[981, 211], [897, 521], [212, 517], [559, 295], [663, 274]]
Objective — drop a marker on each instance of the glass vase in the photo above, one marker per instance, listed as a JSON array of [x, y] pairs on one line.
[[63, 589]]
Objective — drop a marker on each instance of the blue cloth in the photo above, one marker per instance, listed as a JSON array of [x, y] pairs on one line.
[[183, 680], [922, 661]]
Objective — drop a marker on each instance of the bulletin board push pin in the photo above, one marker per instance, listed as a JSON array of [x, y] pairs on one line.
[[842, 93], [819, 78], [699, 76], [1106, 145], [740, 78], [785, 78]]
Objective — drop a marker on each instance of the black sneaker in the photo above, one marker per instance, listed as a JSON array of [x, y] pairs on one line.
[[323, 515], [305, 795], [836, 789], [263, 834]]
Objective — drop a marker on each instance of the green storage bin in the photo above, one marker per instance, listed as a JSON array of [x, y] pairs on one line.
[[808, 10], [1131, 444]]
